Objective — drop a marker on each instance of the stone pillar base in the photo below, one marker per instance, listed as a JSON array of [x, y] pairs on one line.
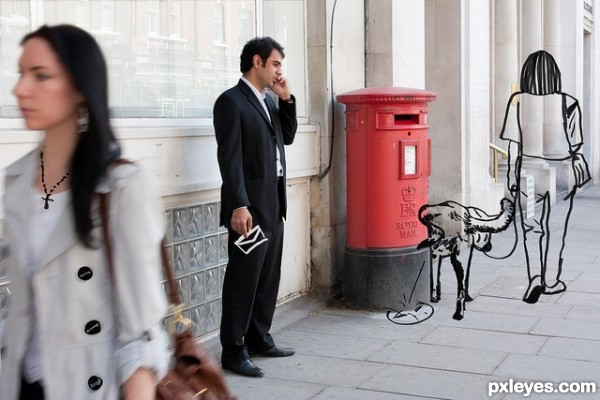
[[564, 176], [544, 177], [527, 187]]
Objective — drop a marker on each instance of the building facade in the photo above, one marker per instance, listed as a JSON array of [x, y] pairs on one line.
[[170, 59]]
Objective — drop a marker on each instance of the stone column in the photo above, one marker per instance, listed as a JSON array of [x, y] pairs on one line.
[[379, 63], [506, 61], [532, 112], [554, 136], [553, 133], [443, 72], [506, 76], [328, 189]]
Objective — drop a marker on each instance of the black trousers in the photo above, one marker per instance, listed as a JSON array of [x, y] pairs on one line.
[[250, 292], [31, 391]]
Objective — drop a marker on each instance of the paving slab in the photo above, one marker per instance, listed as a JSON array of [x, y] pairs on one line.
[[340, 393], [577, 329], [430, 383], [515, 271], [485, 340], [488, 321], [507, 287], [573, 254], [295, 309], [570, 265], [573, 349], [320, 370], [580, 298], [268, 388], [586, 282], [510, 287], [440, 357], [553, 396], [547, 369], [376, 327], [542, 391], [499, 305], [585, 313], [332, 345]]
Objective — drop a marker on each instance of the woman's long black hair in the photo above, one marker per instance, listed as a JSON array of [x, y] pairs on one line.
[[96, 147], [540, 74]]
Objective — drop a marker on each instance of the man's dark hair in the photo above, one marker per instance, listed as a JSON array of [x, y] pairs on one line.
[[263, 46], [97, 147]]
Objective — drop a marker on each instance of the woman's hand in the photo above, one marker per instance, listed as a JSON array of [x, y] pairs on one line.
[[141, 385]]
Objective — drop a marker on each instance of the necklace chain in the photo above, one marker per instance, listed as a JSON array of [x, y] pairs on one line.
[[47, 198]]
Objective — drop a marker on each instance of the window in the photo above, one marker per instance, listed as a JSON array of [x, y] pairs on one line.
[[245, 26], [108, 15], [284, 21], [175, 18], [153, 17], [18, 8], [14, 24], [166, 58], [219, 23], [82, 13]]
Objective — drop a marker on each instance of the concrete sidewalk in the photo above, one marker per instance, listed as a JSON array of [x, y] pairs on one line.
[[350, 354]]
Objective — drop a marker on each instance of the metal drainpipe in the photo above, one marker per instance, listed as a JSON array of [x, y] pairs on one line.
[[367, 46]]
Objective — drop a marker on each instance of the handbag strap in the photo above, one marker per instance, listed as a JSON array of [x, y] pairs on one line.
[[172, 291]]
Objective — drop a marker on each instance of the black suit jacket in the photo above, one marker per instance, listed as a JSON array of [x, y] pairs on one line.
[[246, 153]]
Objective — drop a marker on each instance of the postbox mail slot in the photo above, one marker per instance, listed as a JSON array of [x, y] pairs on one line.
[[406, 119], [389, 120]]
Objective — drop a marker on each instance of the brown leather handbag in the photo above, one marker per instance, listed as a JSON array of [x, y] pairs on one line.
[[194, 373]]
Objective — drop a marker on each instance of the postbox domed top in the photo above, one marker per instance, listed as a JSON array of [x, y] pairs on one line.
[[387, 94]]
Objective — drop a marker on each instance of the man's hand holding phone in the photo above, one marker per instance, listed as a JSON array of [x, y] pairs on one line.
[[281, 88]]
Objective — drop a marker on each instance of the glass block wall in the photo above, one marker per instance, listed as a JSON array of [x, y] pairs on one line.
[[198, 251], [4, 292]]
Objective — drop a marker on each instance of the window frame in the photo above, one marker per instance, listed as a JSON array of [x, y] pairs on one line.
[[36, 18]]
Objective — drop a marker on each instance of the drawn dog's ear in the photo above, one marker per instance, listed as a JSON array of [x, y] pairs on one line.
[[425, 243]]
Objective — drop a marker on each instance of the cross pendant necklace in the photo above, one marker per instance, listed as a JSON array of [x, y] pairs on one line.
[[47, 198]]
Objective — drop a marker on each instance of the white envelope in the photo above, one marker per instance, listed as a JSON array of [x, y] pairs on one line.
[[254, 239]]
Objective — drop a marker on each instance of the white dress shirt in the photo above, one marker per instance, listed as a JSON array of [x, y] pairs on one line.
[[261, 98]]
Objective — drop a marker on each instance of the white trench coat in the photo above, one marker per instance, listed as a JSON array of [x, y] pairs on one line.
[[84, 320]]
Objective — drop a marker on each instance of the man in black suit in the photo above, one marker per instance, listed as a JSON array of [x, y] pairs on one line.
[[251, 133]]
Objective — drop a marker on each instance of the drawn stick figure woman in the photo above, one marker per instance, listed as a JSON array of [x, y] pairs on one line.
[[540, 76]]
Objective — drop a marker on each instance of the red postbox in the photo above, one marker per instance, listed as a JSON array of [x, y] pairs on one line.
[[387, 170], [388, 165]]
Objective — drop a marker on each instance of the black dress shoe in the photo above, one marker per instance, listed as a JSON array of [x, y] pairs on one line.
[[275, 352], [245, 367]]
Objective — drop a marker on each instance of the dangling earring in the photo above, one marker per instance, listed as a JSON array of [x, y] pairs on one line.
[[83, 120]]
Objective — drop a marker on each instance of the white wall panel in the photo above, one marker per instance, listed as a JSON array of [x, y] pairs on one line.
[[183, 159]]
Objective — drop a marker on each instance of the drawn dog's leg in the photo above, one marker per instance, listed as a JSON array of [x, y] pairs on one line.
[[435, 280], [460, 279], [432, 276], [467, 295]]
